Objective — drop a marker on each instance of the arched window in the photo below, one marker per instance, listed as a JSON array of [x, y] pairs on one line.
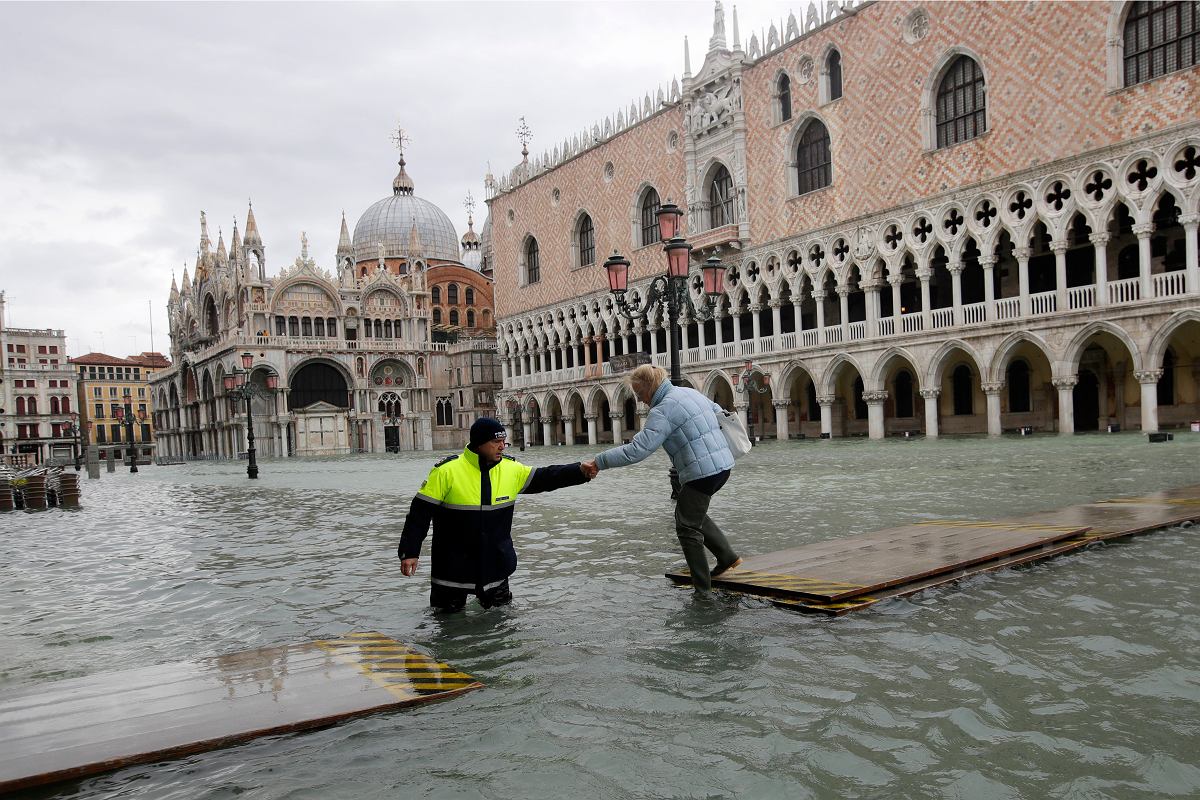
[[533, 268], [833, 76], [445, 411], [20, 406], [387, 329], [378, 329], [585, 240], [54, 405], [306, 326], [963, 394], [293, 326], [470, 318], [66, 405], [961, 104], [452, 294], [1166, 384], [454, 316], [435, 295], [904, 393], [470, 296], [720, 198], [319, 326], [31, 405], [649, 214], [784, 90], [437, 316], [1160, 38], [1017, 378], [814, 162], [331, 327]]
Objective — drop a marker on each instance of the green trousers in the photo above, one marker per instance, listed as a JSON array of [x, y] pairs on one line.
[[696, 532]]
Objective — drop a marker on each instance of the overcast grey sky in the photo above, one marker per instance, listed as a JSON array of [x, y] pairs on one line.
[[119, 123]]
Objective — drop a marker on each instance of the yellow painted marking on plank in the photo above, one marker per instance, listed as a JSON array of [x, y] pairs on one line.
[[950, 523], [782, 580], [384, 660]]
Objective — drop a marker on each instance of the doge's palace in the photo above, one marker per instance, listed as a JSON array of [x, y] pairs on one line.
[[933, 218]]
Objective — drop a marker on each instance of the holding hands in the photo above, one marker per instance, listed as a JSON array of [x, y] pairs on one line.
[[590, 470]]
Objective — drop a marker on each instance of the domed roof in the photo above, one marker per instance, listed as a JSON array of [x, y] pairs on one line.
[[472, 259], [390, 222]]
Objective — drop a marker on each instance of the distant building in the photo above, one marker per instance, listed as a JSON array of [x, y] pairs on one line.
[[102, 381], [932, 217], [387, 351], [36, 394]]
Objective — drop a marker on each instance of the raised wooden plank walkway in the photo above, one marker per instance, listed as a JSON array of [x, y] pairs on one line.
[[75, 728], [844, 575]]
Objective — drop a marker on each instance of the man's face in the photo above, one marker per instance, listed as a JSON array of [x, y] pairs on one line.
[[490, 452]]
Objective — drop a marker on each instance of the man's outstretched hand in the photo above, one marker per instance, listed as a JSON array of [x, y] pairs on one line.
[[590, 470]]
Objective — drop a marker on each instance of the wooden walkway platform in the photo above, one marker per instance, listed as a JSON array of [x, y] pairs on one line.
[[844, 575], [75, 728]]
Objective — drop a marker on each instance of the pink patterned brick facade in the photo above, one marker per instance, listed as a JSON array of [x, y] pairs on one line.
[[1048, 98]]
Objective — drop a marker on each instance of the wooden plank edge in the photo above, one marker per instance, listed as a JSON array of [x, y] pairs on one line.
[[206, 745]]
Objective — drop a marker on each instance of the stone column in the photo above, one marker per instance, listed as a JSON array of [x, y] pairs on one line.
[[875, 401], [547, 432], [826, 401], [781, 419], [871, 293], [931, 412], [700, 337], [1146, 284], [1190, 223], [593, 438], [743, 411], [569, 430], [924, 274], [1022, 254], [1066, 402], [776, 320], [586, 344], [989, 286], [895, 281], [642, 413], [617, 419], [955, 269], [797, 318], [683, 339], [283, 450], [718, 316], [819, 298], [843, 293], [755, 322], [527, 433], [737, 328], [992, 392], [1149, 382], [1100, 243], [1060, 276], [653, 340]]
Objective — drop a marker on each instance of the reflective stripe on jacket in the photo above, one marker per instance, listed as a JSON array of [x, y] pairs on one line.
[[472, 510]]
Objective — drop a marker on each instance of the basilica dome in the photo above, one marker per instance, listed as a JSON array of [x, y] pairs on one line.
[[390, 222]]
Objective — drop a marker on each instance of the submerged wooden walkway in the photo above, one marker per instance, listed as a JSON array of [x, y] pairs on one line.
[[75, 728], [843, 575]]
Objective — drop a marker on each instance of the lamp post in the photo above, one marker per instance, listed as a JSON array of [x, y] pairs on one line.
[[751, 379], [669, 291], [125, 415], [72, 430], [239, 386]]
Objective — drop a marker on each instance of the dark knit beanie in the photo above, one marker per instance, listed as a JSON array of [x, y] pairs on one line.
[[485, 430]]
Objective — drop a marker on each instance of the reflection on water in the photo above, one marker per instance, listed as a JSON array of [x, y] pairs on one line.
[[1071, 678]]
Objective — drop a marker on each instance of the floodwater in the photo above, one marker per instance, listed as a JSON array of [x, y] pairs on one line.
[[1077, 677]]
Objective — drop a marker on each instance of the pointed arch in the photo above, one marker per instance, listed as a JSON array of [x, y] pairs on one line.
[[942, 356], [1003, 354], [876, 379], [933, 85], [828, 381], [1069, 363]]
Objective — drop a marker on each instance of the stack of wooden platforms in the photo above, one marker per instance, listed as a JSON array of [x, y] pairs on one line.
[[844, 575], [76, 728]]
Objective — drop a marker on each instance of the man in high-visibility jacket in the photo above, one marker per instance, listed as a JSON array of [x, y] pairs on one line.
[[470, 499]]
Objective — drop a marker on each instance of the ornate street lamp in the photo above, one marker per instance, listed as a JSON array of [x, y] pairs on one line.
[[239, 386], [671, 290], [751, 379], [72, 430], [125, 415]]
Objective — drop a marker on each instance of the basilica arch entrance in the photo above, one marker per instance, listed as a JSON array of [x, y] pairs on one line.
[[320, 403]]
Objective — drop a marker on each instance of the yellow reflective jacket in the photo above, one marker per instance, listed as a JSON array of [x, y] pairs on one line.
[[472, 510]]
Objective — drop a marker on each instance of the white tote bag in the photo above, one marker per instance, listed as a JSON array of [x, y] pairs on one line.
[[735, 433]]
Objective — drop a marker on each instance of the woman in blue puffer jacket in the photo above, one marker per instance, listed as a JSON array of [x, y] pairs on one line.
[[684, 423]]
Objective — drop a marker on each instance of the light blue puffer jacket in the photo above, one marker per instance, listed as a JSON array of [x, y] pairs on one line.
[[684, 423]]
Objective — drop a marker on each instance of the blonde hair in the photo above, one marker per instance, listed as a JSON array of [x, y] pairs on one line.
[[647, 377]]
